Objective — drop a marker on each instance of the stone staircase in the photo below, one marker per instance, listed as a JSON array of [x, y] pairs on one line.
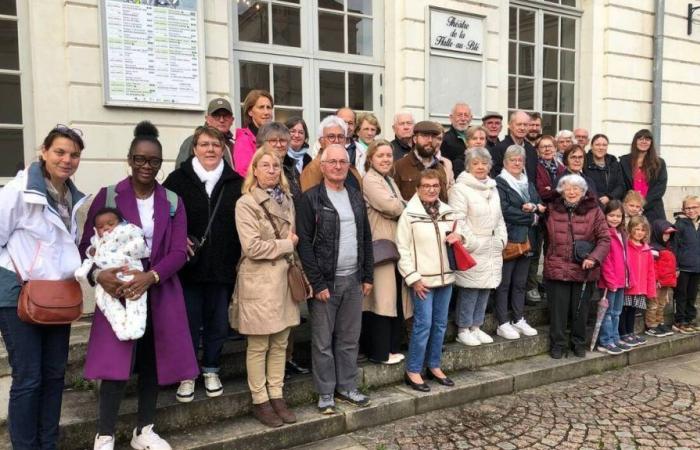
[[224, 422]]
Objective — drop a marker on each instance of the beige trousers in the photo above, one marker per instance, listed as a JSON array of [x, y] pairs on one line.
[[265, 358], [655, 307]]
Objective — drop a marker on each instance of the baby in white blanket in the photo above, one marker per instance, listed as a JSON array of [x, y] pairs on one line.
[[117, 243]]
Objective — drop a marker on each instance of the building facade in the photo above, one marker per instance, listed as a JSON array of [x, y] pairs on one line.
[[582, 63]]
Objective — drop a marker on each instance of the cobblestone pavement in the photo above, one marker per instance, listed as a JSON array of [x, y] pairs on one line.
[[626, 409]]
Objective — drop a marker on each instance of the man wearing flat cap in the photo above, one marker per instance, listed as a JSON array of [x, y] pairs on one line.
[[220, 116], [493, 122], [422, 156]]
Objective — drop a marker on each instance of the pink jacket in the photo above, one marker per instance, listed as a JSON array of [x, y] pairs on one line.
[[641, 265], [614, 272], [243, 150]]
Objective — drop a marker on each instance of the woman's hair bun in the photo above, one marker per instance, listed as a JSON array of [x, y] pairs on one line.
[[146, 129]]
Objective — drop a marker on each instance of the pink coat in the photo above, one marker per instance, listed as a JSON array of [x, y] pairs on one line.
[[641, 265], [614, 273], [243, 150]]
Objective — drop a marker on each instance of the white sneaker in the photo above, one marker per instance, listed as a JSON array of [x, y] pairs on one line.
[[149, 440], [212, 384], [393, 359], [185, 393], [507, 331], [466, 337], [400, 356], [482, 336], [103, 443], [524, 328]]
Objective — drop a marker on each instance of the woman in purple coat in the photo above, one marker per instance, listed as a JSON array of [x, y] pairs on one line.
[[164, 354]]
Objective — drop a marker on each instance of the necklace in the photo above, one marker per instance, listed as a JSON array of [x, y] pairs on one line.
[[143, 196]]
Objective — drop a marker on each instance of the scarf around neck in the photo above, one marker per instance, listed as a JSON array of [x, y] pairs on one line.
[[208, 177], [276, 193], [519, 185], [298, 157], [551, 166]]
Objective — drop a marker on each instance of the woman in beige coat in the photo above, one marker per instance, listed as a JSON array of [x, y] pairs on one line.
[[383, 314], [262, 306]]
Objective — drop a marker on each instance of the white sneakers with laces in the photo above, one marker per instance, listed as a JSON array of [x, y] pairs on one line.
[[467, 337], [212, 384], [482, 336], [507, 331], [148, 440], [185, 393], [524, 328], [103, 443]]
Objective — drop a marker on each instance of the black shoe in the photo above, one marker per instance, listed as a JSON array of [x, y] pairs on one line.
[[556, 353], [443, 381], [420, 387], [580, 352], [294, 368]]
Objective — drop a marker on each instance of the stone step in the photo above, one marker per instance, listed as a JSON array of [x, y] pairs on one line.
[[394, 402]]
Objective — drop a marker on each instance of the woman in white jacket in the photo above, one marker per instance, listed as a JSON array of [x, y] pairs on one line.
[[425, 229], [38, 232], [475, 195]]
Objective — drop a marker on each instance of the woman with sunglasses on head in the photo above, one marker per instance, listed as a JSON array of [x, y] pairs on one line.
[[38, 223], [164, 354], [645, 172]]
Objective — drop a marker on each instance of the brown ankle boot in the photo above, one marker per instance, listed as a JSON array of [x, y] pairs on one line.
[[280, 407], [266, 415]]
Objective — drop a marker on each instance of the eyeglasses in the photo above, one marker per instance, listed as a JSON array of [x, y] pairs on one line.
[[69, 130], [299, 132], [430, 187], [691, 208], [140, 161], [278, 142], [221, 115], [267, 167], [336, 162], [545, 147], [214, 145], [334, 137]]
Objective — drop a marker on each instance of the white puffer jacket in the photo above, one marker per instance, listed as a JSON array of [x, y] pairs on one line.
[[484, 232]]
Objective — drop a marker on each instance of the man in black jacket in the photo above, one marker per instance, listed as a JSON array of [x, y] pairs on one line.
[[493, 122], [335, 247], [455, 142], [403, 134], [517, 132]]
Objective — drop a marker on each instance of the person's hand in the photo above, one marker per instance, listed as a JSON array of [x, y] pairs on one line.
[[529, 207], [366, 289], [588, 264], [453, 237], [110, 283], [420, 289], [604, 199], [138, 285], [190, 248], [293, 237], [323, 296], [91, 251], [541, 208], [612, 290]]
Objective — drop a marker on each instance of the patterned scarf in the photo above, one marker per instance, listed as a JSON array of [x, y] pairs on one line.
[[432, 208], [551, 166], [276, 193]]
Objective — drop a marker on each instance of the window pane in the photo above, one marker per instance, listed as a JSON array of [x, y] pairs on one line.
[[330, 32], [11, 152], [11, 110], [252, 22], [9, 50], [526, 60], [566, 122], [287, 85], [549, 96], [549, 63], [285, 26], [282, 114], [8, 7], [512, 57], [512, 90], [331, 4], [513, 24], [526, 94], [360, 91], [332, 85], [568, 33], [254, 76], [360, 7], [549, 124], [566, 98], [568, 3], [550, 33], [359, 36], [567, 65], [527, 26]]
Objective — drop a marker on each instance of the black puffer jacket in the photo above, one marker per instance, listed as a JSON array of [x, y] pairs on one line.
[[290, 171], [318, 228], [520, 225], [221, 251], [686, 244], [607, 180]]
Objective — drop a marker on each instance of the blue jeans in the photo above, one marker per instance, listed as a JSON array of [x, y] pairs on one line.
[[609, 333], [37, 355], [471, 307], [429, 325]]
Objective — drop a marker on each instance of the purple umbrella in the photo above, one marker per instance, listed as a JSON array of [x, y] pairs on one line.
[[602, 308]]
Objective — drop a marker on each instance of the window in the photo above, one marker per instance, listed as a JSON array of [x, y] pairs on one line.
[[314, 56], [542, 64], [11, 128]]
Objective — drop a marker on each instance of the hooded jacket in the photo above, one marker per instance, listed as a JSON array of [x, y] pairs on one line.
[[614, 271], [686, 244], [665, 263], [641, 264]]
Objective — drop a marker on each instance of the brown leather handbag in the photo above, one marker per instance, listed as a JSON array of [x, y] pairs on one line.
[[384, 252], [515, 250]]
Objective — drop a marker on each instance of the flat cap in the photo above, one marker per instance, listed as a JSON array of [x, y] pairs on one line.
[[428, 127], [491, 115], [217, 104]]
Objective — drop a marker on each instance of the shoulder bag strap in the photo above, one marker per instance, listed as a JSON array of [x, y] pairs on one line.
[[289, 258], [213, 214]]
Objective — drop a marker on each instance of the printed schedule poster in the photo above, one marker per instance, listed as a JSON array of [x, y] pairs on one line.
[[152, 53]]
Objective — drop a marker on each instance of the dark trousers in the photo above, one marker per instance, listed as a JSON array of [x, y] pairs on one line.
[[627, 317], [684, 297], [566, 306], [207, 313], [534, 260], [382, 335], [512, 287], [112, 391], [37, 356]]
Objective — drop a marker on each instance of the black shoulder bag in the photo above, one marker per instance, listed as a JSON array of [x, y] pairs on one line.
[[198, 243], [581, 247]]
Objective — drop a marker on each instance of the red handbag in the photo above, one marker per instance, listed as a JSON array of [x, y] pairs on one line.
[[458, 256]]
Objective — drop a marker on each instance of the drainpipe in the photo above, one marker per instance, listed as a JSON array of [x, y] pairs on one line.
[[657, 70]]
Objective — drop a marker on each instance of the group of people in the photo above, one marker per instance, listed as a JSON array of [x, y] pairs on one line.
[[374, 224]]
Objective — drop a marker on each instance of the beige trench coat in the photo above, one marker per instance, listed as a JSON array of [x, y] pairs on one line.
[[262, 302], [384, 207]]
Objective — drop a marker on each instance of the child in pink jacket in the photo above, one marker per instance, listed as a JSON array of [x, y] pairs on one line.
[[641, 267]]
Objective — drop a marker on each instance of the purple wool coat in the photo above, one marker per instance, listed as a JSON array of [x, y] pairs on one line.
[[107, 357]]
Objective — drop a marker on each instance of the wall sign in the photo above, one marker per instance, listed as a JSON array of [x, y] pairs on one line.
[[455, 32], [153, 53]]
